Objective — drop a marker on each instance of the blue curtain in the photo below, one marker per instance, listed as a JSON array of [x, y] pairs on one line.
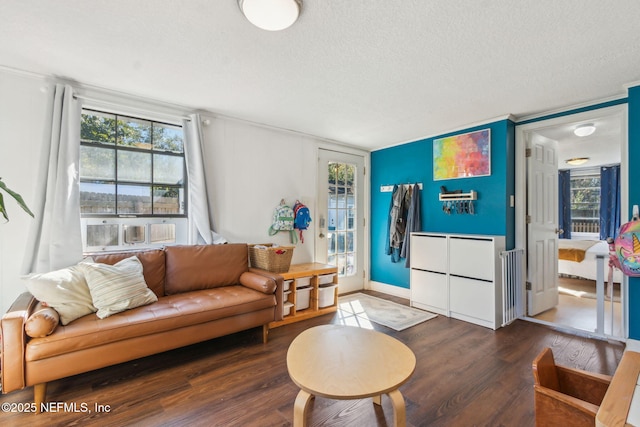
[[609, 201], [564, 203]]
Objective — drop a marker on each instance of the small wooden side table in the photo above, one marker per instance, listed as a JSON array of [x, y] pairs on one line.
[[345, 362]]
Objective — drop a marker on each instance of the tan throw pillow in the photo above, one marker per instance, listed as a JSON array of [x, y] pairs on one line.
[[42, 323], [63, 290], [118, 287]]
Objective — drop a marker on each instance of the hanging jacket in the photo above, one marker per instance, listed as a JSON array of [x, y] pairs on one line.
[[387, 242], [398, 221], [398, 218], [414, 223]]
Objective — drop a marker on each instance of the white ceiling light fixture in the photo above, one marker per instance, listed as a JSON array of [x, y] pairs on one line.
[[271, 15], [584, 130], [577, 161]]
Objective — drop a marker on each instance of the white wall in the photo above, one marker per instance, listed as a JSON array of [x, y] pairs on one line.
[[249, 169], [23, 109]]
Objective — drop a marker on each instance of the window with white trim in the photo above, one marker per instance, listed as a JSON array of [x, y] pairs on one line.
[[132, 181], [585, 201]]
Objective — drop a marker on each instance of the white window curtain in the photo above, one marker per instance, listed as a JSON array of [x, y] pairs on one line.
[[200, 230], [55, 238]]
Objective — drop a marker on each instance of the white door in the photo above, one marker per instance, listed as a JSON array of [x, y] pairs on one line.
[[340, 224], [542, 227]]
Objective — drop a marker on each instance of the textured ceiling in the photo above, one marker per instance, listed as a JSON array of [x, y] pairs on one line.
[[603, 147], [370, 73]]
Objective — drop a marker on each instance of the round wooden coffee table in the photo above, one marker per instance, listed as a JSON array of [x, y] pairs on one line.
[[345, 362]]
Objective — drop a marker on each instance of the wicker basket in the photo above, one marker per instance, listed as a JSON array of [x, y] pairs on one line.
[[275, 260]]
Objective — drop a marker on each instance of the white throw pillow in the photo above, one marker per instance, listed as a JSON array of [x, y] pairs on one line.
[[64, 290], [118, 287]]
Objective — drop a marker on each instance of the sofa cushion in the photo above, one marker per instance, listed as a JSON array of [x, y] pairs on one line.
[[152, 266], [118, 287], [196, 267], [42, 322], [169, 313], [64, 290]]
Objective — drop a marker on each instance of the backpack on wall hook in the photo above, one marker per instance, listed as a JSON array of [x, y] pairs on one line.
[[283, 218], [627, 248], [302, 218]]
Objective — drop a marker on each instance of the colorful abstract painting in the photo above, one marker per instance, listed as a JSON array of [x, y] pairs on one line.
[[462, 156]]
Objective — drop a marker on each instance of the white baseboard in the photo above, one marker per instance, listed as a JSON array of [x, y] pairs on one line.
[[633, 345], [396, 291]]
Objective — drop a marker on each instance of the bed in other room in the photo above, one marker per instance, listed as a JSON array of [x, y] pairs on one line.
[[578, 258]]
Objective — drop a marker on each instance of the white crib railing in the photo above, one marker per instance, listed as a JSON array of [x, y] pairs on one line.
[[512, 284]]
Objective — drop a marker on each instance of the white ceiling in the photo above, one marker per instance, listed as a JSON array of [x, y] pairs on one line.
[[603, 147], [370, 73]]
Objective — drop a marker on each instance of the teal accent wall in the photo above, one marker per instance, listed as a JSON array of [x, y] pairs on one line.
[[510, 220], [413, 162], [634, 199]]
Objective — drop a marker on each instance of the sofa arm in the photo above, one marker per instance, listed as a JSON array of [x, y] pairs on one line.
[[14, 340], [279, 289], [258, 282]]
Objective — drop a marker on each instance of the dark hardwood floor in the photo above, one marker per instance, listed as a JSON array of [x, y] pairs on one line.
[[466, 375]]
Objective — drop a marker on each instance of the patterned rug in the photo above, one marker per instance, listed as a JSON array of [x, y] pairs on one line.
[[386, 313]]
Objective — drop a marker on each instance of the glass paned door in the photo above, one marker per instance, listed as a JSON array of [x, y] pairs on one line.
[[341, 224], [341, 213]]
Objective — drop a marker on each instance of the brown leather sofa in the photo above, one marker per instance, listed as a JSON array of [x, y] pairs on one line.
[[203, 292]]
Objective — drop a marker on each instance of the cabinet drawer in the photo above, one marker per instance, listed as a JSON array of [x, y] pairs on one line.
[[471, 258], [429, 289], [473, 298], [429, 253]]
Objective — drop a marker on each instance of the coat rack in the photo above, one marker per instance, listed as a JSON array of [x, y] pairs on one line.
[[389, 188]]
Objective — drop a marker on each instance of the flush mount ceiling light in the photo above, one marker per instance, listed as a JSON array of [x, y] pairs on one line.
[[271, 15], [584, 130], [577, 161]]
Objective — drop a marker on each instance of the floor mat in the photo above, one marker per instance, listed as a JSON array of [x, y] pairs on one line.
[[386, 313]]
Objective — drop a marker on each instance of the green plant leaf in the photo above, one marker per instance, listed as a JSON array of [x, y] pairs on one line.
[[2, 209], [17, 197]]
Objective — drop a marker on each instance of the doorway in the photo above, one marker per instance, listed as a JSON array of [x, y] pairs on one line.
[[340, 239], [559, 292]]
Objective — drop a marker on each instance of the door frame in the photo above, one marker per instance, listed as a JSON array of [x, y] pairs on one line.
[[521, 183], [366, 188]]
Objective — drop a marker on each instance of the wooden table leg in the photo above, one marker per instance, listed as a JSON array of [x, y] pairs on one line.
[[377, 400], [399, 411], [300, 408]]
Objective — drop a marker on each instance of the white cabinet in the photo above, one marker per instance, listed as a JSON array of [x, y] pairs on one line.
[[429, 291], [458, 276], [471, 257], [429, 283], [472, 300], [430, 252]]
